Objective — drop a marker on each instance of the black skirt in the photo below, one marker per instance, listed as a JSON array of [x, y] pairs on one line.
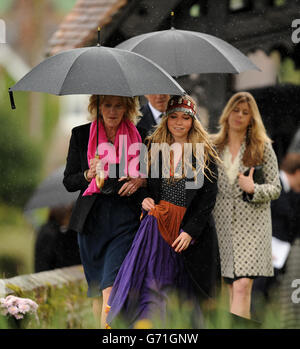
[[230, 281], [108, 233]]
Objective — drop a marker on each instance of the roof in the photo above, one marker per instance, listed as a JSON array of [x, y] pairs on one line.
[[79, 26]]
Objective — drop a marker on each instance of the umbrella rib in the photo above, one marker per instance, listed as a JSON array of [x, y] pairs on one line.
[[142, 39], [121, 68], [64, 80], [128, 87], [220, 50]]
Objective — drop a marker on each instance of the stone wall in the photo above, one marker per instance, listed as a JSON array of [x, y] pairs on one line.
[[61, 295], [45, 279]]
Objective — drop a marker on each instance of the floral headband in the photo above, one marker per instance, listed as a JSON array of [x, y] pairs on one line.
[[181, 103]]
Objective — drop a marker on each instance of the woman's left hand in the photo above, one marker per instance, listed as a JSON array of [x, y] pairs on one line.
[[131, 186], [182, 242], [246, 183]]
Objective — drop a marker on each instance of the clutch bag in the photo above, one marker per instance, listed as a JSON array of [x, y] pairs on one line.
[[258, 177], [112, 185]]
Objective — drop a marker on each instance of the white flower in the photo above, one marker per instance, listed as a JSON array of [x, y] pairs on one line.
[[24, 308], [18, 307], [13, 310]]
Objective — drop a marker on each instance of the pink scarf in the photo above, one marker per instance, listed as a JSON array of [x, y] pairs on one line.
[[127, 134]]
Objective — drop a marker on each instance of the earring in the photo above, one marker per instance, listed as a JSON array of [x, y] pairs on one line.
[[249, 130]]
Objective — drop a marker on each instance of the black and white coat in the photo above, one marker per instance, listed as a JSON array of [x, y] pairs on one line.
[[245, 228]]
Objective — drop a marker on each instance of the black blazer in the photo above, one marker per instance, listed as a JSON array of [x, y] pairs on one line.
[[202, 257], [285, 216], [74, 179], [145, 125]]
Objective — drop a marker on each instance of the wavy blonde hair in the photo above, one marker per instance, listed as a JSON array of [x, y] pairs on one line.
[[197, 134], [131, 103], [256, 135]]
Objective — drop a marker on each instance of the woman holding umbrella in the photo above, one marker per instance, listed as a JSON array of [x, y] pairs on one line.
[[175, 248], [106, 218], [242, 212]]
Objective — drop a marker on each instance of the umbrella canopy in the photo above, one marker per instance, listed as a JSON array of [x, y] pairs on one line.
[[98, 70], [51, 193], [182, 52]]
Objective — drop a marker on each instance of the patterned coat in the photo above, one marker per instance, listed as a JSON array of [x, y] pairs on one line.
[[244, 228]]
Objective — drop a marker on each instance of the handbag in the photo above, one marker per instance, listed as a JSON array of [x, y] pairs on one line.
[[112, 185], [258, 178]]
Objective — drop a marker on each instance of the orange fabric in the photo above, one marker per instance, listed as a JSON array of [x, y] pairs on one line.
[[169, 217]]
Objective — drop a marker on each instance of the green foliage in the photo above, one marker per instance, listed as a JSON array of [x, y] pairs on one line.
[[20, 167], [68, 307], [63, 6], [17, 242], [64, 307], [5, 5], [288, 72], [22, 156]]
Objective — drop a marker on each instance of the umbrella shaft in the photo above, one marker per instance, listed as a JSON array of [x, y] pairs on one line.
[[98, 117]]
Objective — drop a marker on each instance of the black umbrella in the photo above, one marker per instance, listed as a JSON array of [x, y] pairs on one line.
[[100, 71], [97, 70], [182, 52], [51, 193]]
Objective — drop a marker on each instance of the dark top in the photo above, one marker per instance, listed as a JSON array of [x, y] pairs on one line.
[[55, 248], [147, 122], [173, 191]]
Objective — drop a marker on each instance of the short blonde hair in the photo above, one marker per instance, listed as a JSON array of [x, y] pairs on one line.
[[131, 103], [256, 135]]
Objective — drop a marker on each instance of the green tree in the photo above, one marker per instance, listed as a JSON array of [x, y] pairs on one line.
[[20, 164]]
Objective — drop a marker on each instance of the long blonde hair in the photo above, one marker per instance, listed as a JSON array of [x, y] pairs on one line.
[[131, 103], [256, 135], [196, 135]]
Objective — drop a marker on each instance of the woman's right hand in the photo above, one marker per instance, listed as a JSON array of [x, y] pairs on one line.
[[148, 204], [92, 170]]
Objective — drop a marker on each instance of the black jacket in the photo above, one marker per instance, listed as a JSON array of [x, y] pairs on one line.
[[285, 215], [202, 257], [74, 179], [147, 122]]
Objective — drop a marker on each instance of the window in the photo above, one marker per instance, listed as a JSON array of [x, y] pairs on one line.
[[199, 9], [239, 5], [278, 3]]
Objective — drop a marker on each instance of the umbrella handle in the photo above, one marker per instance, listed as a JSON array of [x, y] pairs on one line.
[[11, 97], [172, 20], [98, 41], [99, 179]]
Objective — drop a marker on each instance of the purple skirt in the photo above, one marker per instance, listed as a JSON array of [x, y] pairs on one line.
[[149, 273]]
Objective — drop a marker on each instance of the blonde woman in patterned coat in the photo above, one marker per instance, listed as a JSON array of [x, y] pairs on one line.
[[244, 227]]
